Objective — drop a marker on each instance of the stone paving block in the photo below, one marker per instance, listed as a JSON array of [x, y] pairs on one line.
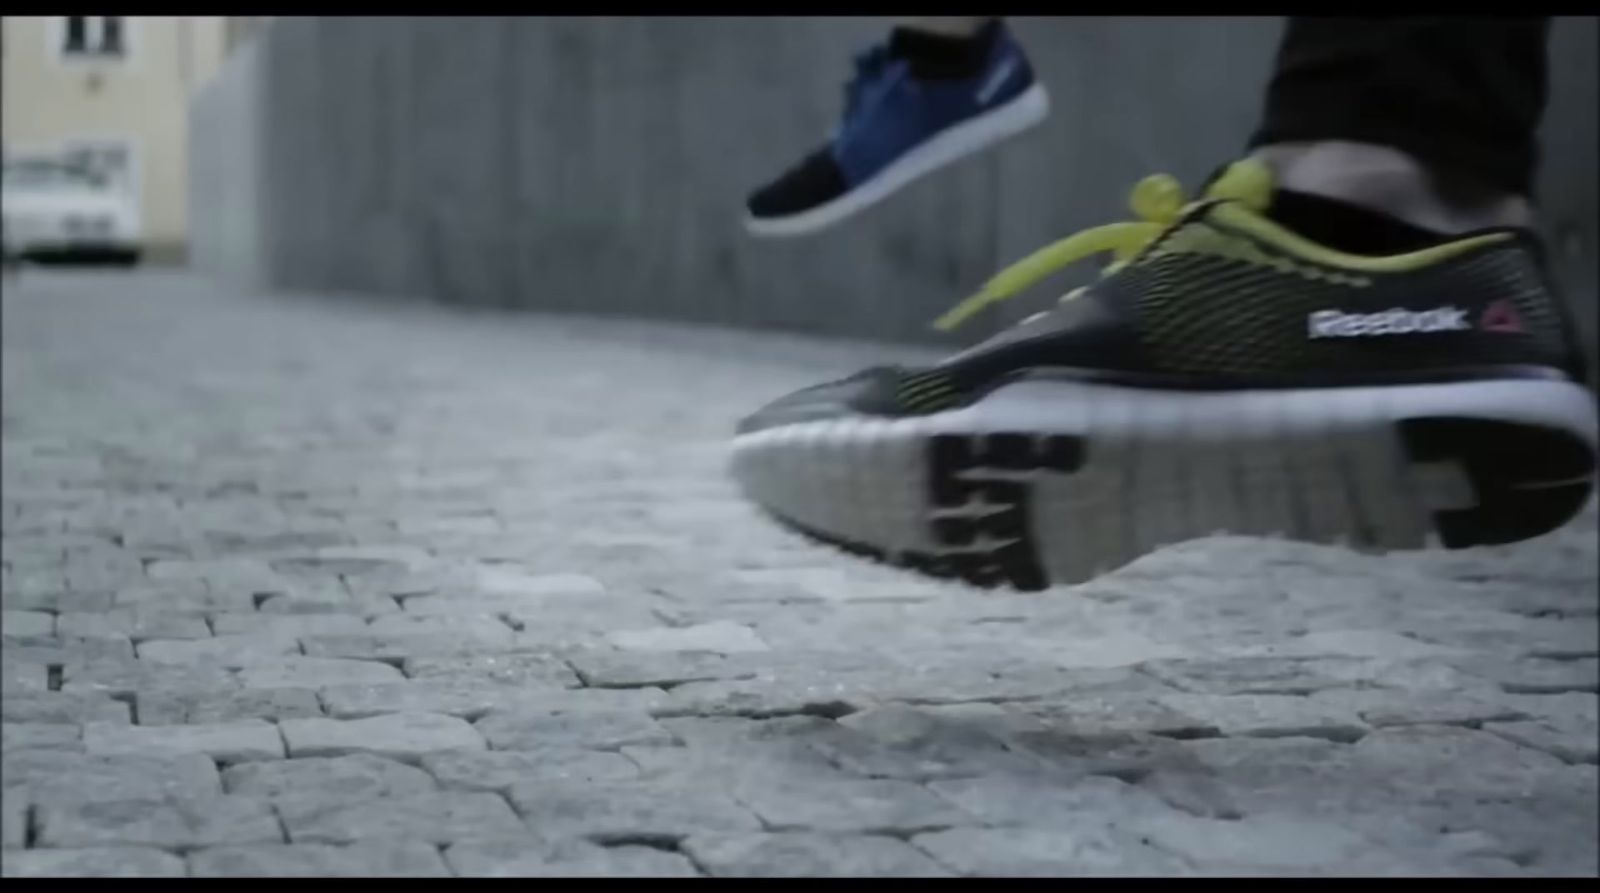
[[1382, 708], [1536, 677], [873, 806], [898, 742], [525, 857], [92, 862], [173, 597], [622, 669], [1269, 716], [386, 859], [63, 651], [328, 602], [270, 704], [36, 736], [1420, 762], [1275, 843], [514, 581], [1575, 742], [233, 742], [809, 855], [593, 729], [56, 600], [437, 817], [168, 824], [499, 770], [718, 638], [762, 697], [1053, 852], [132, 624], [1103, 717], [291, 626], [1255, 675], [317, 672], [1042, 801], [19, 677], [121, 679], [626, 812], [15, 809], [488, 628], [1561, 638], [452, 696], [511, 669], [27, 624], [243, 572], [1344, 644], [584, 615], [453, 604], [348, 779], [221, 651], [396, 648], [400, 736], [53, 775], [729, 762]]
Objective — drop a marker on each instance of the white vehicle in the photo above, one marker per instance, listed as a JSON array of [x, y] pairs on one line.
[[58, 211]]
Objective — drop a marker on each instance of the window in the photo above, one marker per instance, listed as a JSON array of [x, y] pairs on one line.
[[101, 37]]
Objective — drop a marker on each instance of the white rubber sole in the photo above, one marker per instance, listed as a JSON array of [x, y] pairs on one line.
[[1055, 482], [950, 145]]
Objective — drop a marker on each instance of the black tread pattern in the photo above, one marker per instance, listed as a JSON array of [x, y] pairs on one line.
[[956, 480]]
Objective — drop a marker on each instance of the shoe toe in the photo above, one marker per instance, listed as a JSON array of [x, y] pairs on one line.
[[815, 181], [869, 392]]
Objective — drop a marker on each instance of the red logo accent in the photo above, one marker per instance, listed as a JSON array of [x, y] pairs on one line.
[[1501, 316]]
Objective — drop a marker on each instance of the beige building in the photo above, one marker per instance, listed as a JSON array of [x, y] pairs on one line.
[[113, 90]]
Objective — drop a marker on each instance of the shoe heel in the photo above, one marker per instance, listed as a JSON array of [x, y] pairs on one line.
[[1527, 479]]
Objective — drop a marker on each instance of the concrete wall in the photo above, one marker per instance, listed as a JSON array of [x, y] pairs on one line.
[[598, 165], [226, 172], [141, 99]]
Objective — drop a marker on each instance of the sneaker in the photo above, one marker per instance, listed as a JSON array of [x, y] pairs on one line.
[[897, 128], [1225, 376]]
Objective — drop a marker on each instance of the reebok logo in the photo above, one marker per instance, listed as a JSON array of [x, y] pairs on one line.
[[1501, 316], [996, 80], [1334, 324]]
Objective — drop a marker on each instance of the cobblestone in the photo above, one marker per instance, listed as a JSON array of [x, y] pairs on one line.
[[809, 855], [596, 729], [401, 736], [40, 736], [273, 704], [623, 812], [348, 779], [53, 775], [414, 595], [234, 742], [440, 817], [169, 824], [132, 624], [523, 857], [92, 862], [377, 858]]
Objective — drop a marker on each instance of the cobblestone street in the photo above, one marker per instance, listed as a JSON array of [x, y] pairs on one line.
[[323, 585]]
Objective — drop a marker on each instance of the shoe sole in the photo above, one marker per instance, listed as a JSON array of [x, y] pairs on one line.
[[1050, 482], [948, 146]]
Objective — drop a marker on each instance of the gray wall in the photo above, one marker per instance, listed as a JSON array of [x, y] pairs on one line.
[[598, 165]]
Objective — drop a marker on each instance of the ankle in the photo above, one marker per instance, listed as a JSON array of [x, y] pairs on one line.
[[1391, 182], [948, 54]]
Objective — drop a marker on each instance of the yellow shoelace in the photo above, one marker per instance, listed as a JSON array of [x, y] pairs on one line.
[[1157, 201]]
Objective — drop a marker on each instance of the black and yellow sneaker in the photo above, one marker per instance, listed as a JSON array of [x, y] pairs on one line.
[[1226, 375]]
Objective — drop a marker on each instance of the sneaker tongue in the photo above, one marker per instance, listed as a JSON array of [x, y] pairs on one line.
[[1248, 182]]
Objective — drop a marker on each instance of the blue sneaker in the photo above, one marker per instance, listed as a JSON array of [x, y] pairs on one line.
[[896, 128]]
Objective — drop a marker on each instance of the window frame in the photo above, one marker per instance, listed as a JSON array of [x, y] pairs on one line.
[[57, 35]]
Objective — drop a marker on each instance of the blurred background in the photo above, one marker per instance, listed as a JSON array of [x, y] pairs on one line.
[[598, 165]]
